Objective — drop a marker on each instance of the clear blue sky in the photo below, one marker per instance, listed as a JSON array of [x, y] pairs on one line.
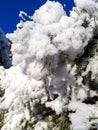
[[9, 11]]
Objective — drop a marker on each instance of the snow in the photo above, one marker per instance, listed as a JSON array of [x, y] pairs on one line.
[[56, 105], [4, 54], [44, 71], [80, 118], [50, 13], [86, 4], [24, 16], [41, 125]]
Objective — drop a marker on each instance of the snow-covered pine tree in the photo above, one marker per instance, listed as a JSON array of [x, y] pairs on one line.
[[4, 54], [55, 70]]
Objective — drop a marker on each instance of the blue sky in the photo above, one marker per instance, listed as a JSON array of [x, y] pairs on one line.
[[9, 11]]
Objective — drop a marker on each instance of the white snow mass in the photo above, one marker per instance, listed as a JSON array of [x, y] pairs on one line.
[[45, 71]]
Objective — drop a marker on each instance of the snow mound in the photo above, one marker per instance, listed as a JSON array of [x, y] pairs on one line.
[[49, 13]]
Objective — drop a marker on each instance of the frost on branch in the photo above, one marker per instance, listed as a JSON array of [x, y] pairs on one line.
[[54, 69]]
